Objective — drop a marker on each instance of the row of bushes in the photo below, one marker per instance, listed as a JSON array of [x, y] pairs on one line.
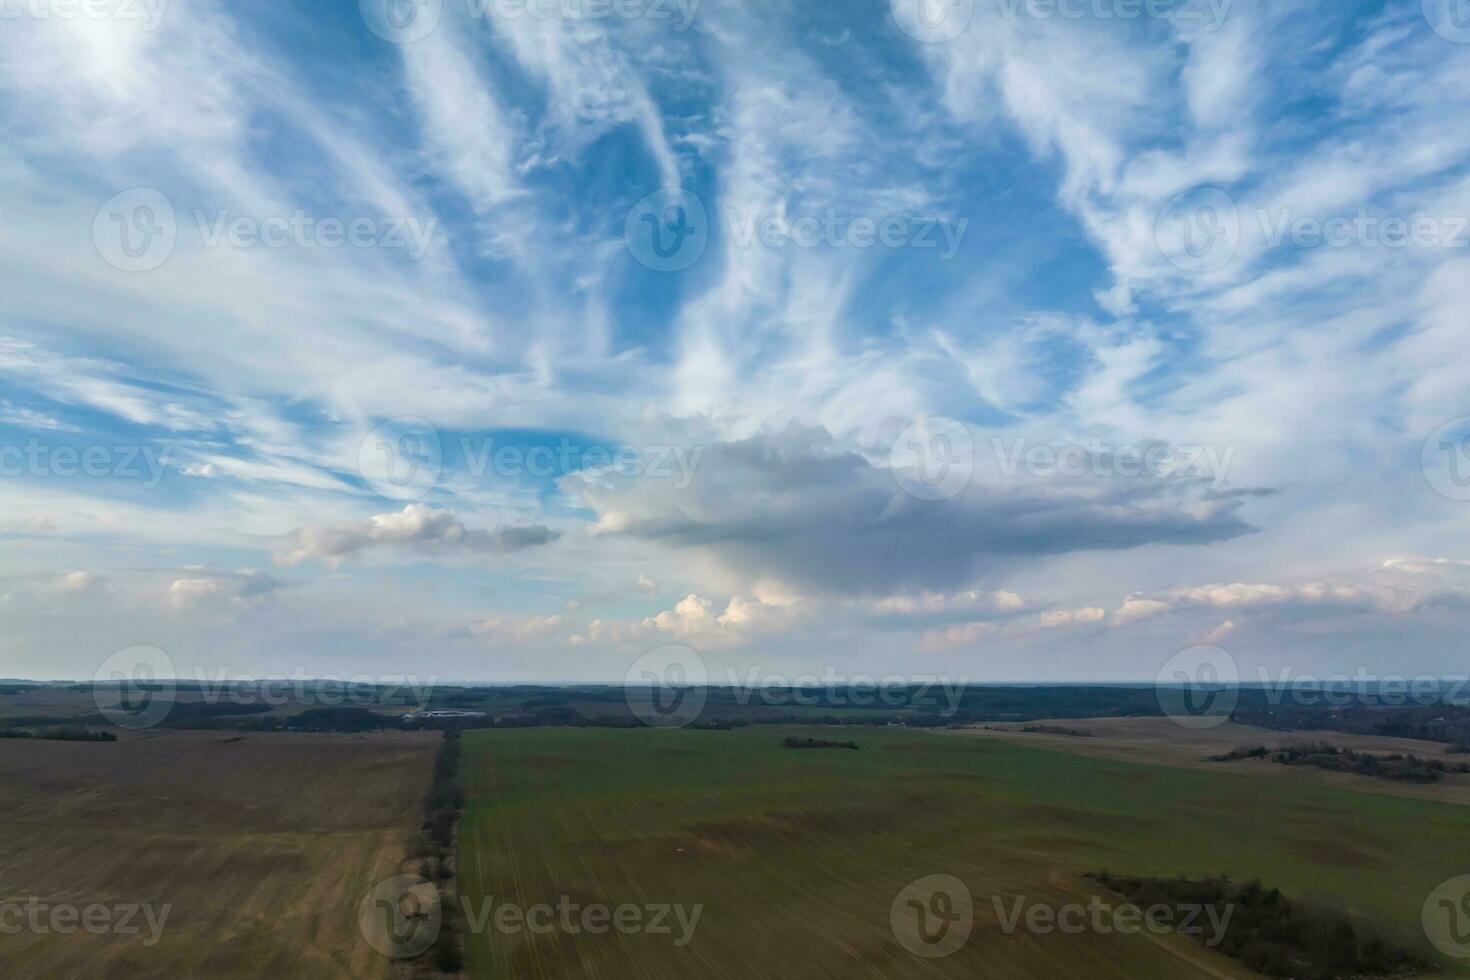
[[441, 816], [1273, 935], [1405, 768]]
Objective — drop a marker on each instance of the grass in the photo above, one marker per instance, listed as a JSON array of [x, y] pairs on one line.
[[797, 856]]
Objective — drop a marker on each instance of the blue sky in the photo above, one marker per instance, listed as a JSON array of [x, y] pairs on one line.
[[380, 367]]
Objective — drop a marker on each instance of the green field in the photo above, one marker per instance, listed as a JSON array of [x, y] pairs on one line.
[[797, 855]]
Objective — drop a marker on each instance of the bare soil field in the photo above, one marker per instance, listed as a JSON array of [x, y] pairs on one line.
[[260, 847], [1162, 742]]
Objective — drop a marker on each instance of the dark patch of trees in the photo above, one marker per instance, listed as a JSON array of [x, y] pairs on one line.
[[796, 742], [1273, 935], [67, 734], [1397, 766], [1405, 768], [1244, 752], [1408, 769]]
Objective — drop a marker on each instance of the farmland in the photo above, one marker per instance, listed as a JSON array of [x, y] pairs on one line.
[[1160, 741], [795, 858], [260, 848]]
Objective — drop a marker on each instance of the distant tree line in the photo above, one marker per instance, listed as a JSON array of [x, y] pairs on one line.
[[67, 734], [1439, 721]]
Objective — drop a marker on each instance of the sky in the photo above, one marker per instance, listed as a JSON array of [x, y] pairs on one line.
[[509, 340]]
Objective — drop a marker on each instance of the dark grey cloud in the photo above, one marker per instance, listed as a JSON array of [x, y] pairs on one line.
[[796, 507]]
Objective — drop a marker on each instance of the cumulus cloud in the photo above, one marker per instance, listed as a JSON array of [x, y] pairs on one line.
[[501, 628], [239, 589], [417, 528], [1072, 617]]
